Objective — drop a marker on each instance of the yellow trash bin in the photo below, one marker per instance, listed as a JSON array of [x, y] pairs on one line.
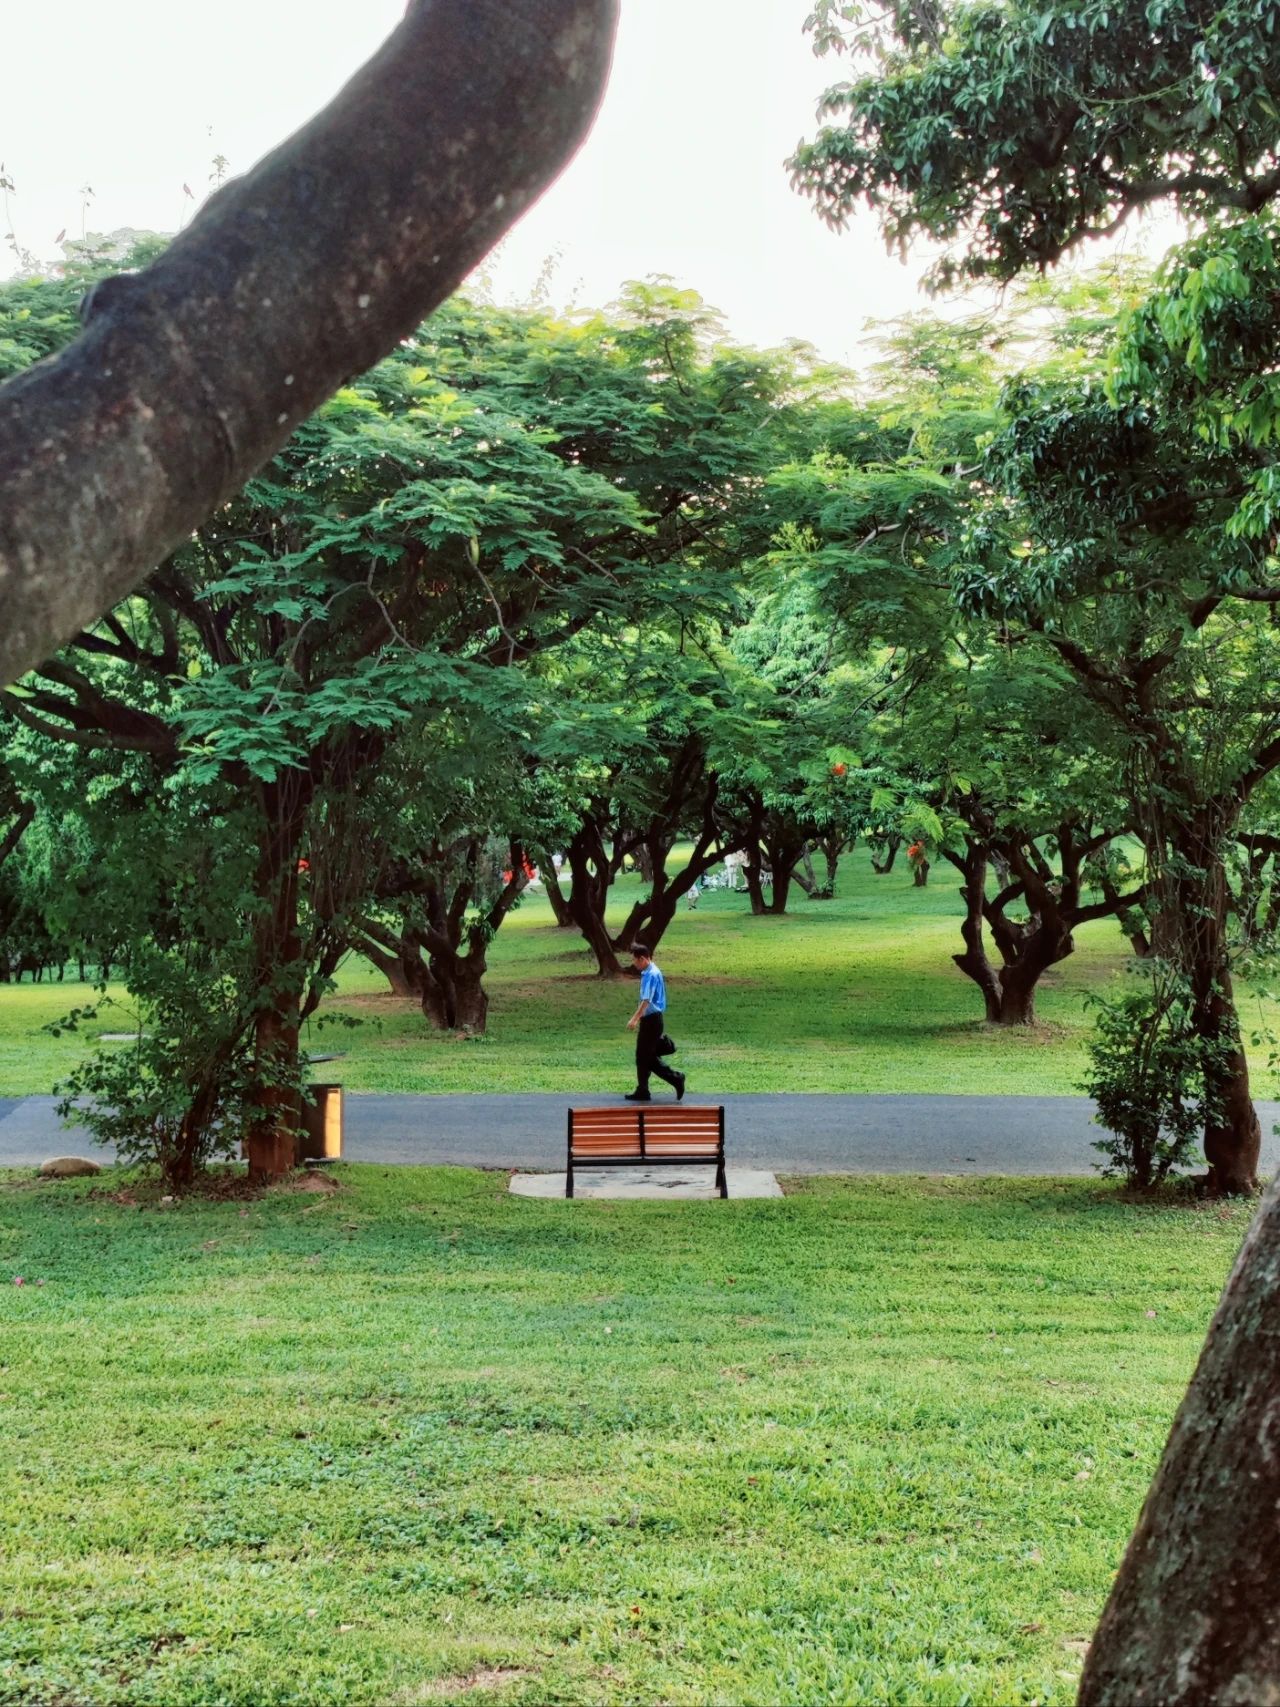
[[322, 1125]]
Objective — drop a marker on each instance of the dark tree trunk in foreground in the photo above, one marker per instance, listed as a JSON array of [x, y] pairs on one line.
[[1193, 1619], [783, 854], [191, 374], [278, 950], [773, 842], [974, 962], [1232, 1135]]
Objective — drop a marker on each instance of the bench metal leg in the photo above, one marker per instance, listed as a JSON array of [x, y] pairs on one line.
[[568, 1181], [722, 1184]]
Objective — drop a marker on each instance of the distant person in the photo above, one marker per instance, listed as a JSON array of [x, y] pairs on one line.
[[693, 897], [647, 1023]]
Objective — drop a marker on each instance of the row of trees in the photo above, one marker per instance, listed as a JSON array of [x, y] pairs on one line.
[[607, 585]]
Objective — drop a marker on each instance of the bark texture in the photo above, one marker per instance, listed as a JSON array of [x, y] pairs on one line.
[[1194, 1618], [1232, 1133], [1054, 902], [191, 374]]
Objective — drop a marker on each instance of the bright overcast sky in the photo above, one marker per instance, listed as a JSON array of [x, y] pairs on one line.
[[682, 175]]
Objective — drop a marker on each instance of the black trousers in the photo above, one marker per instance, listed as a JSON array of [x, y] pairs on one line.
[[648, 1033]]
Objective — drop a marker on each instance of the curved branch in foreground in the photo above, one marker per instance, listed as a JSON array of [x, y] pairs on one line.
[[1193, 1618], [191, 374]]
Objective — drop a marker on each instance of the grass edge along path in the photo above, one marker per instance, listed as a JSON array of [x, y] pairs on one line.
[[414, 1440]]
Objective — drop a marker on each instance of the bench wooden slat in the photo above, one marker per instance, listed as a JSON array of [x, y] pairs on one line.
[[665, 1133]]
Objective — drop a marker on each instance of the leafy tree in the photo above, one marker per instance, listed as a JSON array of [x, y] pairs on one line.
[[176, 867], [406, 543], [1128, 576], [638, 767], [1011, 133]]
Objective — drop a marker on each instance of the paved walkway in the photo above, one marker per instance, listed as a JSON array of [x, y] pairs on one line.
[[784, 1133]]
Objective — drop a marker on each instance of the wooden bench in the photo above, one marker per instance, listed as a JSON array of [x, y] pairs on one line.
[[642, 1135]]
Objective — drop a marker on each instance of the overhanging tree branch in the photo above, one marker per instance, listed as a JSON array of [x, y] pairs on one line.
[[191, 374]]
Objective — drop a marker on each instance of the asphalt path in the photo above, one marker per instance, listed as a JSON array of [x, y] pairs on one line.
[[781, 1132]]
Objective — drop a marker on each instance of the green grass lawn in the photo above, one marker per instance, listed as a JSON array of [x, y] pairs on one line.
[[856, 994], [881, 1442]]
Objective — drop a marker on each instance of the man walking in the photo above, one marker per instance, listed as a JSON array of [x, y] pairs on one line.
[[647, 1023]]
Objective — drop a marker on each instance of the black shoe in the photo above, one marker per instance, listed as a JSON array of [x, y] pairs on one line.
[[637, 1096], [680, 1088]]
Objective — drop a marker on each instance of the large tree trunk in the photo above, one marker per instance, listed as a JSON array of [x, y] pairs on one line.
[[272, 1142], [339, 242], [591, 868], [457, 1000], [1018, 982], [832, 848], [651, 917], [974, 962], [783, 855], [755, 889], [1192, 1618], [1232, 1135]]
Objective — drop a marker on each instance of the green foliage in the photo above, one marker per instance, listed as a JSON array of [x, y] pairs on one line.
[[176, 873], [422, 1439], [194, 1050], [1010, 132], [1146, 1076]]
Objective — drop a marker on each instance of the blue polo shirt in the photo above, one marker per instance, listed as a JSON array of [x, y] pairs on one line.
[[653, 990]]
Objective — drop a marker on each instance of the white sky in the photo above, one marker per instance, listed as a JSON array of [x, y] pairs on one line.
[[682, 175]]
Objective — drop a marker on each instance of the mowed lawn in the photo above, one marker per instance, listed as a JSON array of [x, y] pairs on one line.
[[856, 994], [881, 1442]]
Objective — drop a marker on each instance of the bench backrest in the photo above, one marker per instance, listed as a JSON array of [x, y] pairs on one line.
[[640, 1132]]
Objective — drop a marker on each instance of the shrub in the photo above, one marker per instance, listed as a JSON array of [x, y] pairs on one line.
[[1147, 1076], [182, 1092]]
